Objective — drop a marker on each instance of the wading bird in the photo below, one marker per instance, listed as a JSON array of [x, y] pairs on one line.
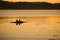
[[18, 22]]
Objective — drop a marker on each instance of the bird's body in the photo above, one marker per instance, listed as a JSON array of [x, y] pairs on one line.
[[18, 22]]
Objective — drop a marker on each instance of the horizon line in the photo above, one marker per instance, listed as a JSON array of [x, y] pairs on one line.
[[31, 2]]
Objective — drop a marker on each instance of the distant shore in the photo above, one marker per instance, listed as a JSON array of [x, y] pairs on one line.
[[29, 5]]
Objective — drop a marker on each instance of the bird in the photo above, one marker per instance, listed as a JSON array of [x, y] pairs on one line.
[[18, 22]]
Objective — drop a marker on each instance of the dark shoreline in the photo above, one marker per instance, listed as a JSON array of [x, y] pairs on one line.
[[28, 5], [29, 9]]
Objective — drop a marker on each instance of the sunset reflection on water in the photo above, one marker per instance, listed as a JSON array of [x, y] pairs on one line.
[[35, 27]]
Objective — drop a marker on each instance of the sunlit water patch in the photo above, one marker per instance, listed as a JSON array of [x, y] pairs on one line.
[[34, 27]]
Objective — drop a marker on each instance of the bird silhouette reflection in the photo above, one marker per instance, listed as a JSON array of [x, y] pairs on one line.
[[18, 22]]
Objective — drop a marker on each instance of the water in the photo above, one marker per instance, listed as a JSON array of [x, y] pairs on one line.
[[15, 13], [43, 25]]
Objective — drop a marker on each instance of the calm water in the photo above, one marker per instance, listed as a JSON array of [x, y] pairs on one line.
[[39, 25]]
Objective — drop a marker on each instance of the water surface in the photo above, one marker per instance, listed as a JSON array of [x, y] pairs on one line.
[[36, 27]]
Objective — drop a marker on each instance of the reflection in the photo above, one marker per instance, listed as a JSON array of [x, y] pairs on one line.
[[18, 22], [58, 22], [51, 39]]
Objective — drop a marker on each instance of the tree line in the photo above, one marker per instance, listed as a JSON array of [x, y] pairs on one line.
[[28, 5]]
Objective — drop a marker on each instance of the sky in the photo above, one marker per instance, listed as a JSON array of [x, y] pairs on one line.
[[50, 1]]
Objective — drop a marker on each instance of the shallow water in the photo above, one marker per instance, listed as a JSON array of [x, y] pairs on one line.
[[14, 38], [34, 28]]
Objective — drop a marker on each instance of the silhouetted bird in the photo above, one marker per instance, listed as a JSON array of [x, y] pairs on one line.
[[18, 22]]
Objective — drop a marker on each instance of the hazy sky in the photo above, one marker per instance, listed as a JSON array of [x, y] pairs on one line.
[[52, 1]]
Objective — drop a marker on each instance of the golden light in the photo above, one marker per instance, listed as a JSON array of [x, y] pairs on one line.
[[51, 1]]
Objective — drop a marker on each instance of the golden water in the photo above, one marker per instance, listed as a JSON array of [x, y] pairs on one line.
[[35, 27]]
